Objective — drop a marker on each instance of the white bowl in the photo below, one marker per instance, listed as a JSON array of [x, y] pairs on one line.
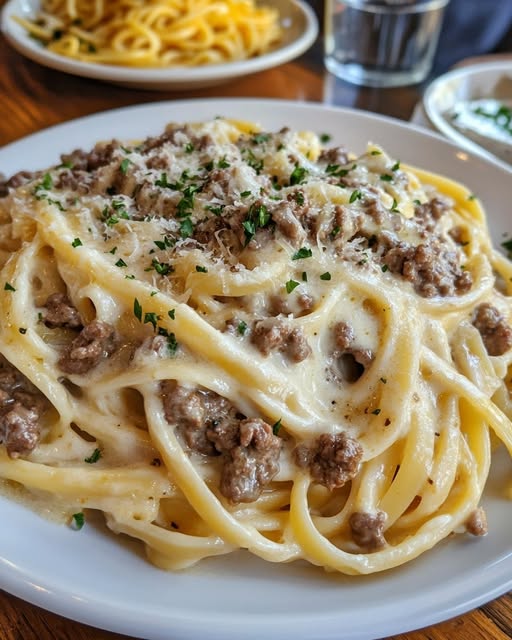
[[298, 21], [487, 80]]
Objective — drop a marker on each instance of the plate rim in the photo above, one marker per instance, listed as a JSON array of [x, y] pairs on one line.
[[43, 594], [146, 77]]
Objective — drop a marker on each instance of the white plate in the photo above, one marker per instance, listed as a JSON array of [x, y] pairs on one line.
[[300, 28], [474, 82], [95, 577]]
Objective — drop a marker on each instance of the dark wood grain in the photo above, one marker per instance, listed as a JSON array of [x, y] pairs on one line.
[[33, 97]]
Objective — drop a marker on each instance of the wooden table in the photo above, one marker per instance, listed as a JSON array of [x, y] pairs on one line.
[[33, 97]]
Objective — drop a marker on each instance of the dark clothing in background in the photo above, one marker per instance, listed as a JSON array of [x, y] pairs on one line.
[[473, 28]]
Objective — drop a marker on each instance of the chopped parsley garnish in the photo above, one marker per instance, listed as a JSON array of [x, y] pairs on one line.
[[472, 197], [189, 147], [113, 250], [384, 268], [201, 269], [76, 243], [303, 252], [298, 175], [291, 285], [223, 163], [94, 457], [123, 167], [396, 166], [22, 330], [355, 195], [258, 217], [260, 137], [121, 263], [162, 268], [325, 137], [186, 228], [163, 182], [385, 177], [394, 207], [325, 276], [78, 520], [276, 427], [507, 245], [299, 197], [242, 327], [137, 310], [216, 210], [151, 318], [304, 276], [335, 232], [245, 194], [172, 314], [165, 243], [172, 344], [8, 287], [376, 412], [376, 152]]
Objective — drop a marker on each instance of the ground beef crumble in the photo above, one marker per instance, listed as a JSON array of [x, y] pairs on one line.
[[332, 459], [21, 406], [212, 426], [368, 529], [495, 331]]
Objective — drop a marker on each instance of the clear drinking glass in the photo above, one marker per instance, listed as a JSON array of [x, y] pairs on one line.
[[382, 43]]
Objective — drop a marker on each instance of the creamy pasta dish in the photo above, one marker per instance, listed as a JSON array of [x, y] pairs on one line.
[[225, 338], [155, 33]]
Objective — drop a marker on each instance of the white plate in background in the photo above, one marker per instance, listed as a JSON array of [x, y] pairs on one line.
[[298, 21], [97, 578], [487, 80]]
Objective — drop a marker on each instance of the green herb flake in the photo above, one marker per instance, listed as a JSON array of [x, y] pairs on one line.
[[507, 245], [172, 314], [8, 287], [325, 276], [172, 344], [121, 263], [304, 276], [242, 327], [303, 252], [78, 520], [325, 137], [298, 175], [137, 310], [76, 243], [186, 228], [376, 412], [291, 285], [151, 318], [385, 177], [201, 269], [123, 167], [355, 195], [396, 166], [245, 194], [189, 147], [94, 457], [276, 427]]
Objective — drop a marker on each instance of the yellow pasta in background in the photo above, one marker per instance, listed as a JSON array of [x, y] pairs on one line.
[[155, 33]]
